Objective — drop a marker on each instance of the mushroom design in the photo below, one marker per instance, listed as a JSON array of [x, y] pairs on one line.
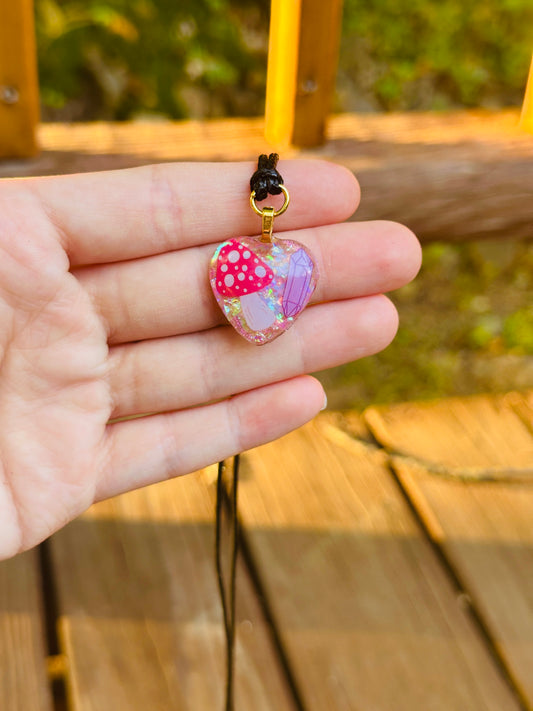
[[242, 274]]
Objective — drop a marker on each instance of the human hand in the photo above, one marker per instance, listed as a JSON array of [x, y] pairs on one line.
[[107, 312]]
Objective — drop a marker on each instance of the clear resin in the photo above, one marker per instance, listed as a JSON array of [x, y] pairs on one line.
[[262, 287]]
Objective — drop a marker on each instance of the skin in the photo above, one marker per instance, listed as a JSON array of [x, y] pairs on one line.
[[107, 312]]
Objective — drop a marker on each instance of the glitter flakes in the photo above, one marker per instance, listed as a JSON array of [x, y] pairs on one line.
[[279, 278]]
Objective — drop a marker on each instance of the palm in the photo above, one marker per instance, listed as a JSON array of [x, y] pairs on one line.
[[54, 397], [107, 313]]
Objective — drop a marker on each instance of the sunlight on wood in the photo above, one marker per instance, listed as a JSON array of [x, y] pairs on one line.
[[282, 70], [526, 121], [19, 96]]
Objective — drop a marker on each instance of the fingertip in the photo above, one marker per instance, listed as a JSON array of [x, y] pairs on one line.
[[318, 182], [387, 321], [398, 256], [284, 406]]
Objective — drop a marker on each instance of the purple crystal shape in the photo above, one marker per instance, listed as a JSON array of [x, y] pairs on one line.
[[297, 292]]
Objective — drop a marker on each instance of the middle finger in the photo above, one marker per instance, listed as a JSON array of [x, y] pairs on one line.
[[169, 294]]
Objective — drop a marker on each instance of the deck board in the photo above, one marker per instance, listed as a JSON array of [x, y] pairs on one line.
[[479, 508], [23, 681], [140, 617], [365, 611]]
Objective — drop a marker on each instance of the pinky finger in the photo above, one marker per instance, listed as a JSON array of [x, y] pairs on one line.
[[150, 449]]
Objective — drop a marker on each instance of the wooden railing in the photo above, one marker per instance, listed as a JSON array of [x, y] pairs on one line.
[[19, 95], [304, 43], [302, 67]]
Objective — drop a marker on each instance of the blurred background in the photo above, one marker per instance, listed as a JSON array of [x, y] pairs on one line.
[[467, 321]]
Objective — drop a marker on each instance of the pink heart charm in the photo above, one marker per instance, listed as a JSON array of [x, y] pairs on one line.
[[262, 287]]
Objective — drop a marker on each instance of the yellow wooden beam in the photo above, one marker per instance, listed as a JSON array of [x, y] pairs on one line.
[[19, 95], [282, 70], [302, 67], [526, 120]]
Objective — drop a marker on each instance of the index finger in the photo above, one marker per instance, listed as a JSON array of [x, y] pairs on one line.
[[125, 214]]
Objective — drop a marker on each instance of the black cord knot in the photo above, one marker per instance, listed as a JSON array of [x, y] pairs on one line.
[[266, 180]]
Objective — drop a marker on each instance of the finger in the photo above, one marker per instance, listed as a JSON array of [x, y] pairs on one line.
[[126, 214], [180, 372], [146, 450], [170, 294]]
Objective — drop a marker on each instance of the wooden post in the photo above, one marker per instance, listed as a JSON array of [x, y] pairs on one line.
[[302, 67], [526, 120], [19, 94]]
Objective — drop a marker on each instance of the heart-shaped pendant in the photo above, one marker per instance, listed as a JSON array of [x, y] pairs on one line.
[[262, 287], [263, 284]]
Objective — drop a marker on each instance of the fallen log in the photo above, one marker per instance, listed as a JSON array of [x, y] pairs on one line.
[[448, 176]]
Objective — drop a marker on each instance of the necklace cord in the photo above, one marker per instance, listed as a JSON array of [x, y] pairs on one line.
[[227, 591], [265, 181]]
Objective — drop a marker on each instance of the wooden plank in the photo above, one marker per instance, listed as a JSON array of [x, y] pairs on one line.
[[19, 94], [140, 618], [474, 168], [367, 615], [526, 119], [282, 72], [484, 527], [23, 682], [320, 33], [302, 68]]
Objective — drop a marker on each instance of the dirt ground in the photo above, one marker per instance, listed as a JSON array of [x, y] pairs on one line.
[[466, 326]]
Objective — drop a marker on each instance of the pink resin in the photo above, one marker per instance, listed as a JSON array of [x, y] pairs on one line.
[[262, 287]]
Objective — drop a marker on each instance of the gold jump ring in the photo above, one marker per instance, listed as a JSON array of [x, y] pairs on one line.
[[276, 212]]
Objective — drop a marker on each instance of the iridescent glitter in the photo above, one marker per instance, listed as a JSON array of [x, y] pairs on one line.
[[262, 287]]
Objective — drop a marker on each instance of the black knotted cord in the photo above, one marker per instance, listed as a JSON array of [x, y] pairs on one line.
[[228, 596], [266, 180]]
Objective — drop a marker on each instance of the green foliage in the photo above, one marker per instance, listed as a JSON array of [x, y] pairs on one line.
[[117, 59], [432, 54], [518, 330], [466, 325]]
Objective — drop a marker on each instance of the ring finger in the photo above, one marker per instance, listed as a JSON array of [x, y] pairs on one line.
[[184, 371], [168, 294]]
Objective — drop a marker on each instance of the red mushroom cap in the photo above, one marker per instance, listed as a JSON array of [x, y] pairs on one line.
[[240, 271]]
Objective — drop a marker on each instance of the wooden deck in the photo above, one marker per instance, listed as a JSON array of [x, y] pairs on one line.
[[387, 560], [387, 564]]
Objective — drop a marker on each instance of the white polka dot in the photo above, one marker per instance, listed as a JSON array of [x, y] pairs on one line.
[[246, 254], [220, 283], [240, 277], [233, 256], [224, 268], [245, 290], [256, 261], [244, 268], [251, 278], [260, 271], [228, 280]]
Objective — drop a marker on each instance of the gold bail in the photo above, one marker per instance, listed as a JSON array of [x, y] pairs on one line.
[[268, 214], [267, 223]]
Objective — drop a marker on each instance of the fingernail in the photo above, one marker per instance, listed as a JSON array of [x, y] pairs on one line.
[[325, 403]]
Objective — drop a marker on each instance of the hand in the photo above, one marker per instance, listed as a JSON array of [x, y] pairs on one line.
[[106, 312]]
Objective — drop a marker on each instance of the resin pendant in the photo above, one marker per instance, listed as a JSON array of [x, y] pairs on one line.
[[262, 286]]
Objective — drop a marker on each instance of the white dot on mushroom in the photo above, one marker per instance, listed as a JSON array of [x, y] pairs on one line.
[[233, 256], [228, 280]]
